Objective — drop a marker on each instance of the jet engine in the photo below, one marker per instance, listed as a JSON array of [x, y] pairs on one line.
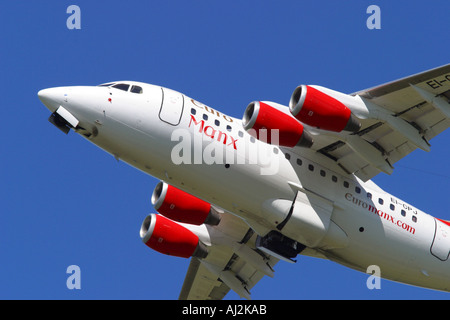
[[264, 118], [168, 237], [318, 109], [180, 206]]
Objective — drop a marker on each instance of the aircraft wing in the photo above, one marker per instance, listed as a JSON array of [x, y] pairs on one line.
[[412, 111], [232, 262]]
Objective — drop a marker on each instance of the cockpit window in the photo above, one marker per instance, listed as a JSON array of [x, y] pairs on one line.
[[121, 86], [136, 89]]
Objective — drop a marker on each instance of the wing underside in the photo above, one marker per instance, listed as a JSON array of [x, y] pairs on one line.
[[233, 262], [413, 110]]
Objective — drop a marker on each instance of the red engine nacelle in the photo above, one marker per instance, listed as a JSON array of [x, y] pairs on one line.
[[181, 206], [168, 237], [260, 115], [322, 111]]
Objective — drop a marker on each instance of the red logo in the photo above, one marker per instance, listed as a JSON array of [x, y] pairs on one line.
[[213, 133]]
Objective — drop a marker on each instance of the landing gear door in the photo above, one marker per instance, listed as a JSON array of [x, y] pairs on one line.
[[441, 243], [172, 107]]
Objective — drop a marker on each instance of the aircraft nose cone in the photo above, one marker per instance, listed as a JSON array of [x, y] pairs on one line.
[[52, 98]]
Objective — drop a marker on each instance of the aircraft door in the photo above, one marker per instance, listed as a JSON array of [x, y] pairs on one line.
[[441, 243], [172, 107]]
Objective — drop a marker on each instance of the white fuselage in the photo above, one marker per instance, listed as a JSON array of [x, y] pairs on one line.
[[179, 140]]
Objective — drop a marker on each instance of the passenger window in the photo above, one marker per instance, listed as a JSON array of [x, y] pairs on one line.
[[380, 201], [403, 213], [369, 195], [228, 127], [311, 167], [240, 134], [275, 150], [334, 178], [205, 117], [287, 156], [122, 86], [193, 111], [299, 162], [346, 184], [323, 173], [392, 207], [217, 122], [136, 89], [357, 189], [414, 218]]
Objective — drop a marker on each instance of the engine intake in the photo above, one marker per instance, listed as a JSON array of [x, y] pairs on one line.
[[168, 237], [181, 206], [263, 118], [317, 109]]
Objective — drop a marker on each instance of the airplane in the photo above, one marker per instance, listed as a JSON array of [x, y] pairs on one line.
[[239, 195]]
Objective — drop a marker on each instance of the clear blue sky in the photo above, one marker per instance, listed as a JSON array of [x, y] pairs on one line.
[[66, 202]]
